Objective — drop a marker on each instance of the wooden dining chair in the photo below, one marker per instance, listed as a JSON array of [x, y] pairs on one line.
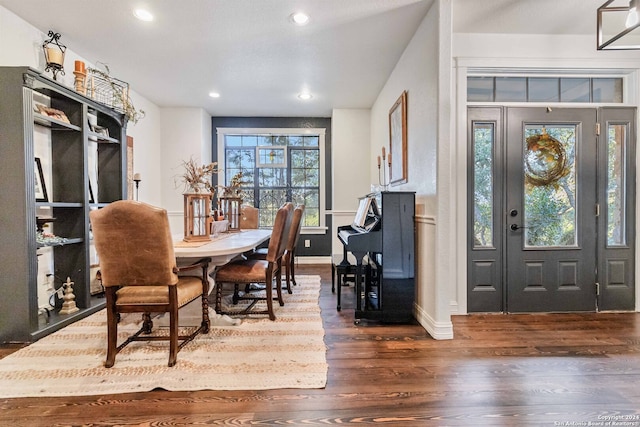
[[257, 271], [140, 275], [290, 248]]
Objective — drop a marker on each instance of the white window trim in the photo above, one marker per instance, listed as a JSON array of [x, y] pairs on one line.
[[319, 132]]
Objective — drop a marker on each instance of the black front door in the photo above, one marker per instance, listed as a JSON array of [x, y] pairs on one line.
[[551, 209]]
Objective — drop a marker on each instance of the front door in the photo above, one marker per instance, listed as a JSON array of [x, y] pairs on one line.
[[551, 209]]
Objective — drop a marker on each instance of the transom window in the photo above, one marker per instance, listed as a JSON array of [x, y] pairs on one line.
[[544, 89], [277, 165]]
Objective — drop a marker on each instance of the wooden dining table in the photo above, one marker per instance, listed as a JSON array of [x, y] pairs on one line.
[[222, 247]]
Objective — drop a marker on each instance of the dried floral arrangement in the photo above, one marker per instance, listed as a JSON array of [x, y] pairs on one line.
[[234, 188], [197, 177]]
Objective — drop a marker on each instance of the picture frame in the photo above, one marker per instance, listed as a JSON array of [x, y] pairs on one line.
[[398, 170], [40, 186], [91, 198]]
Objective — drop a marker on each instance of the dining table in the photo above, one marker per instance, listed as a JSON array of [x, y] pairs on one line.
[[221, 248]]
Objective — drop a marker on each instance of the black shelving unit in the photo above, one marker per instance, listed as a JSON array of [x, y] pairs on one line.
[[66, 145]]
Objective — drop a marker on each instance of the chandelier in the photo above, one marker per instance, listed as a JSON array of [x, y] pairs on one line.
[[618, 25]]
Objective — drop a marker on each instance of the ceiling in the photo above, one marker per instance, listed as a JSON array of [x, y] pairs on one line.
[[250, 53]]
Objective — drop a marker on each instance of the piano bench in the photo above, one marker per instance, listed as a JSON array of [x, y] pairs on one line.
[[345, 271]]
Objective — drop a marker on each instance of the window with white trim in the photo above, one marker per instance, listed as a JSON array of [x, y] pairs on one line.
[[278, 166]]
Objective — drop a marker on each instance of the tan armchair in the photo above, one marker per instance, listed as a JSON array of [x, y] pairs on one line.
[[256, 271], [139, 274]]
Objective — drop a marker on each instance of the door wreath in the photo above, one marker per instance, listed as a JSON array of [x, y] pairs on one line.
[[545, 160]]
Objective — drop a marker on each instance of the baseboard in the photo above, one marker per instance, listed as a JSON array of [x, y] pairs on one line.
[[313, 260], [437, 330]]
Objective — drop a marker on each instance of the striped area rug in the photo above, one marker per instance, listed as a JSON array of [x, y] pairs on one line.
[[255, 355]]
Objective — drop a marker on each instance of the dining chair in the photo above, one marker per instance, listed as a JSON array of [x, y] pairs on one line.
[[252, 271], [140, 274], [290, 248], [249, 217]]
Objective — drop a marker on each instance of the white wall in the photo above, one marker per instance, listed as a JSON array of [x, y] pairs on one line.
[[424, 72], [533, 46], [350, 155], [523, 52], [147, 152], [185, 134], [21, 45]]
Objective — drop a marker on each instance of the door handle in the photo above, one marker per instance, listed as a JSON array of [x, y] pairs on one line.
[[516, 227]]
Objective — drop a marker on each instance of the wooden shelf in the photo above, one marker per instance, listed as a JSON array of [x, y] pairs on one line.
[[53, 123]]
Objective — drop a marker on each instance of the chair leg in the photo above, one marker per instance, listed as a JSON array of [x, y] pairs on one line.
[[236, 293], [279, 285], [206, 323], [112, 328], [333, 277], [218, 303], [173, 326], [147, 324], [287, 271], [292, 263], [269, 292]]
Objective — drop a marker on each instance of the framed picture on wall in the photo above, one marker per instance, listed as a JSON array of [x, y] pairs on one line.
[[398, 171], [41, 188]]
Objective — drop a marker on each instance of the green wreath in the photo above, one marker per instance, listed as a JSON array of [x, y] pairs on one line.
[[545, 161]]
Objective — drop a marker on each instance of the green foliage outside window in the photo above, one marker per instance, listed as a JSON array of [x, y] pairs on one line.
[[267, 188]]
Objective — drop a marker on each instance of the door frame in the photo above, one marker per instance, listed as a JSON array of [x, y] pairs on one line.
[[491, 261]]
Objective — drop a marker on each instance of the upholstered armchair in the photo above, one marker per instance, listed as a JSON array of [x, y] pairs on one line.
[[140, 275], [256, 271], [290, 248], [249, 217]]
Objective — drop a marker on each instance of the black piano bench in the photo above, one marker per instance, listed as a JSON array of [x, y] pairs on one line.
[[345, 270]]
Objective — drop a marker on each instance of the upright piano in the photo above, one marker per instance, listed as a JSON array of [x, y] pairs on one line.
[[382, 240]]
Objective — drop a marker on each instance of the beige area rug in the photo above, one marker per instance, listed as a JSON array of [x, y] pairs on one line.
[[255, 355]]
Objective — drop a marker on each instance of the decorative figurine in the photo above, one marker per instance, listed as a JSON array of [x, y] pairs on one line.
[[69, 304]]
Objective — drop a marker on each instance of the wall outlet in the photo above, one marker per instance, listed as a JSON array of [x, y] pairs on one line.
[[307, 243]]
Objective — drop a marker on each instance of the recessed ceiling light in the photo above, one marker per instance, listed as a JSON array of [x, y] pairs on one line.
[[305, 96], [299, 18], [143, 15], [214, 94]]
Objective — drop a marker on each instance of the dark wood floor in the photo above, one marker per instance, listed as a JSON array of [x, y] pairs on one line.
[[515, 370]]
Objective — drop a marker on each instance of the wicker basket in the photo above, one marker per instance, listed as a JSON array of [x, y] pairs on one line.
[[109, 91]]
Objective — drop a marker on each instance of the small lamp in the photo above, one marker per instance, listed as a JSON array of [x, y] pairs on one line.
[[197, 216], [54, 54]]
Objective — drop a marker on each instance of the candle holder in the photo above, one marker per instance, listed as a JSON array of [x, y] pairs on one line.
[[197, 216], [382, 167], [137, 178], [54, 54], [231, 208], [81, 77]]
